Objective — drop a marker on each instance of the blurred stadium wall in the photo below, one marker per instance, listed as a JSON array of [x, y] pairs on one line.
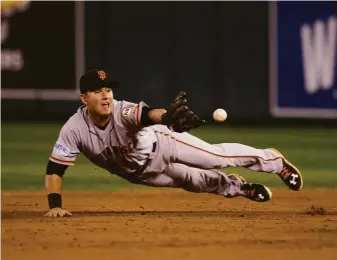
[[257, 60]]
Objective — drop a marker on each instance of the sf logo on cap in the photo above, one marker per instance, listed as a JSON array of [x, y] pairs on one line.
[[101, 74]]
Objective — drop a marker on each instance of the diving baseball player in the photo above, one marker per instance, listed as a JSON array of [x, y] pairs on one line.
[[151, 146]]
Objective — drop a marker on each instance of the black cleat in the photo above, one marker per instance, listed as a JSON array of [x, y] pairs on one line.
[[290, 175], [256, 192], [253, 191]]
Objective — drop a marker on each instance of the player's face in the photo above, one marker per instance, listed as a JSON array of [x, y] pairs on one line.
[[99, 101]]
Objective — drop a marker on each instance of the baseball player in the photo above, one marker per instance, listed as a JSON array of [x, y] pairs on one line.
[[151, 146]]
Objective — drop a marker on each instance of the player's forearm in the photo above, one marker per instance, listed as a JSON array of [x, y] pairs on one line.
[[156, 115], [53, 184]]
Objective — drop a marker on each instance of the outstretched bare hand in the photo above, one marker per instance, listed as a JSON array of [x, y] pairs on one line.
[[58, 212]]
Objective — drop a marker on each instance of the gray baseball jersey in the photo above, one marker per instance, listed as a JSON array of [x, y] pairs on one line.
[[116, 148], [155, 155]]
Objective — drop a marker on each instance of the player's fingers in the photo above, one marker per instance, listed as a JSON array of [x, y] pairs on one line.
[[189, 114], [50, 214], [68, 213], [183, 114], [179, 112], [192, 119], [174, 106], [202, 121], [198, 120], [179, 103], [181, 95]]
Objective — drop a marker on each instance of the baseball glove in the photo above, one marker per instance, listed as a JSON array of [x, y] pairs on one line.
[[178, 117], [188, 122]]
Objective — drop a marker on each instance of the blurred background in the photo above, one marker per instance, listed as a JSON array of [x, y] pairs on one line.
[[270, 65]]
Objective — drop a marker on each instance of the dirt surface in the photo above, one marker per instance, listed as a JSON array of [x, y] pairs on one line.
[[171, 224]]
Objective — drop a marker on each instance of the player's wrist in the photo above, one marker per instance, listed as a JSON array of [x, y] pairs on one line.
[[54, 200]]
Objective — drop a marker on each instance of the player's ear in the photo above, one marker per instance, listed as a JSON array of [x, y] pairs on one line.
[[84, 99]]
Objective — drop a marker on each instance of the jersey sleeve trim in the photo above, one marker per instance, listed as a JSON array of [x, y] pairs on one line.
[[56, 160]]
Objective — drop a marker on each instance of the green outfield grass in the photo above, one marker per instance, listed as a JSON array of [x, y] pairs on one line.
[[25, 149]]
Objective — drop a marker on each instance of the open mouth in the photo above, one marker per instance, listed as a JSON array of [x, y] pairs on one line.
[[106, 105]]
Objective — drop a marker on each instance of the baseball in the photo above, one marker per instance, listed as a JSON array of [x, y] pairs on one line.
[[219, 115]]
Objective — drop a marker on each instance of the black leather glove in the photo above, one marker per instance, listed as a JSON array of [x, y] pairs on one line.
[[187, 123], [176, 110], [178, 117]]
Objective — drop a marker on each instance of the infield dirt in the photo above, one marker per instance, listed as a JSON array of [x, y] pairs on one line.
[[170, 224]]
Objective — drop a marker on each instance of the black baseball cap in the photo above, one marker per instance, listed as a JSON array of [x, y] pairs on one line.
[[96, 79]]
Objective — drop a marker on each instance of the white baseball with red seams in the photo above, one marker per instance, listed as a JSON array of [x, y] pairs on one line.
[[219, 115]]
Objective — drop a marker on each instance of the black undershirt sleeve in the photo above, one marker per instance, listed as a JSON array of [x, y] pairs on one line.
[[56, 168], [145, 120]]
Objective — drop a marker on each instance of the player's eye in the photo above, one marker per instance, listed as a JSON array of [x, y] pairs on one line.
[[97, 91]]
